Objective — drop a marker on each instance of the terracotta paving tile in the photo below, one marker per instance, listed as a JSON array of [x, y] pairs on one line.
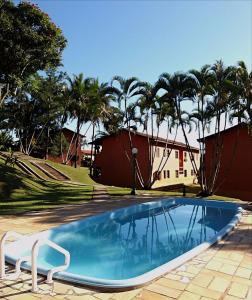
[[187, 274], [203, 280], [80, 297], [148, 295], [249, 295], [236, 257], [172, 284], [228, 297], [246, 262], [238, 290], [173, 276], [61, 288], [195, 289], [172, 293], [214, 265], [242, 280], [243, 272], [226, 261], [22, 296], [228, 269], [219, 284], [103, 296], [193, 270], [126, 295], [189, 296]]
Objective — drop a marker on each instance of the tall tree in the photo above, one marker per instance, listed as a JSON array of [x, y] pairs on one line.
[[242, 100], [48, 90], [100, 110], [219, 105], [155, 112], [178, 88], [35, 111], [79, 93], [202, 116], [29, 42], [125, 92]]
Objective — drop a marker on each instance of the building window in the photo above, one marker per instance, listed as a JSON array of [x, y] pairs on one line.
[[176, 173], [157, 152], [192, 173], [164, 174], [164, 152], [185, 173], [185, 156], [176, 154], [168, 173]]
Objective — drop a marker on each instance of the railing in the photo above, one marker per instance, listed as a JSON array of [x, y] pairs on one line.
[[17, 272], [35, 251]]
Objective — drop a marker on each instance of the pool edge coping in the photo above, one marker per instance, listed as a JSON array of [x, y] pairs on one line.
[[154, 274]]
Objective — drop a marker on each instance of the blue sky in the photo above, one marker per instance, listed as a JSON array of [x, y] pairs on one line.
[[147, 38]]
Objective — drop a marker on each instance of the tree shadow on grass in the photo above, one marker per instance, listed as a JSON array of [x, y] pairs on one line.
[[9, 181]]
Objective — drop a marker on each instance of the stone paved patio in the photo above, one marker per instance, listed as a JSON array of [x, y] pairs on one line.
[[224, 271]]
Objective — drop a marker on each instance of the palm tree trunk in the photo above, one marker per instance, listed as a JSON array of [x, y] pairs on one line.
[[77, 143], [92, 149]]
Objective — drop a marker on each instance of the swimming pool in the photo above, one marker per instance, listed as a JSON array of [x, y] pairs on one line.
[[133, 245]]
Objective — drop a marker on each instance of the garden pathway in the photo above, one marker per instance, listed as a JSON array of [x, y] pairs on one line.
[[224, 271]]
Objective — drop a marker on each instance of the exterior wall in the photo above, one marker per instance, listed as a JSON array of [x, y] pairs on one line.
[[114, 165], [174, 164], [234, 179]]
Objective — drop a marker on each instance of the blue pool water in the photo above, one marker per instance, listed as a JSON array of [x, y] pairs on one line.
[[130, 242]]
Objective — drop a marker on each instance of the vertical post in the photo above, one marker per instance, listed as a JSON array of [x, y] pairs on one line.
[[134, 154], [34, 266], [2, 250], [2, 258]]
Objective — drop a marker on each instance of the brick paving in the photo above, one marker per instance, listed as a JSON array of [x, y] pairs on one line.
[[224, 271]]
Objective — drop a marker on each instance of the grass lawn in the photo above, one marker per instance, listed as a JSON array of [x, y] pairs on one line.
[[20, 192], [37, 170], [79, 174], [191, 191]]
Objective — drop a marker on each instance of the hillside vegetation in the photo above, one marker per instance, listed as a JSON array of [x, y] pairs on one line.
[[20, 192]]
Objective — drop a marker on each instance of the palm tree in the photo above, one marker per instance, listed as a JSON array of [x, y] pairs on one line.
[[156, 111], [79, 95], [219, 105], [100, 109], [201, 116], [242, 103], [127, 90], [179, 87]]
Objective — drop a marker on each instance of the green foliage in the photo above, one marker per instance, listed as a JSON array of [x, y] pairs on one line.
[[35, 113], [20, 192], [6, 141], [59, 144], [29, 41]]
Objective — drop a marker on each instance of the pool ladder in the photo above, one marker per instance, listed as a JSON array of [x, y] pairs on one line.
[[33, 258]]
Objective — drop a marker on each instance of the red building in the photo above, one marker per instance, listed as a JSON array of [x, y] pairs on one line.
[[234, 177], [69, 154], [113, 164]]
